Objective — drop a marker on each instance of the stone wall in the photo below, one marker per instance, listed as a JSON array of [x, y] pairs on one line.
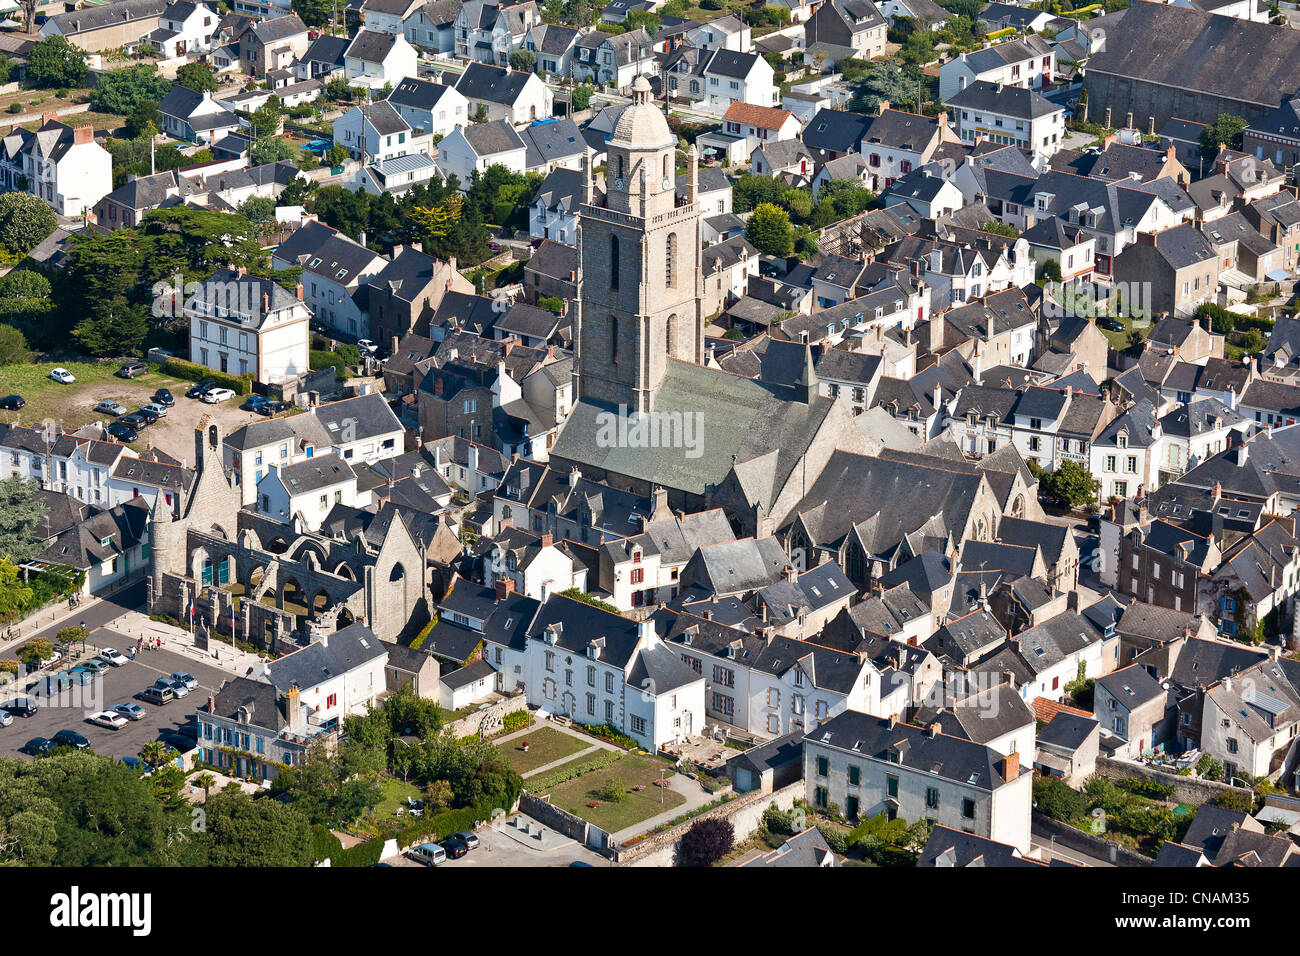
[[1191, 790], [549, 815], [471, 723], [1045, 828], [745, 814]]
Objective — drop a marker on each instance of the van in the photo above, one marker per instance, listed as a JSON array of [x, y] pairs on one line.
[[430, 854], [157, 695]]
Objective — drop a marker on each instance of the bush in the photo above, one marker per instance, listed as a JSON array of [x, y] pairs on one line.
[[517, 720], [1209, 768], [835, 838], [1151, 789], [706, 842], [562, 775], [15, 107], [193, 372], [611, 791], [323, 358], [72, 635]]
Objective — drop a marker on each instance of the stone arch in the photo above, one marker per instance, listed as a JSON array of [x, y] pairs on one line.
[[345, 617], [1018, 507], [290, 589], [257, 584], [320, 603], [398, 578], [277, 545], [344, 570], [248, 539]]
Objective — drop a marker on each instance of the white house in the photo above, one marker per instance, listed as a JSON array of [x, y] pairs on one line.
[[746, 127], [479, 146], [1009, 116], [731, 77], [429, 107], [1028, 62], [374, 59], [184, 29], [554, 210], [339, 674], [245, 325], [376, 132], [196, 117], [61, 165], [464, 686], [335, 274], [307, 490], [506, 94]]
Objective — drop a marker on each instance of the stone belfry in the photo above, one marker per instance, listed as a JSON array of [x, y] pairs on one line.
[[639, 249]]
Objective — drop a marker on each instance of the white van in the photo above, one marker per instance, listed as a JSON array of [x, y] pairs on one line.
[[430, 854]]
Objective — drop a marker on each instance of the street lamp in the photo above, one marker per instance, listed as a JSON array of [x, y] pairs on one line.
[[83, 637]]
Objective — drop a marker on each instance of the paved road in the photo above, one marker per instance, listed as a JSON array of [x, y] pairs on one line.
[[96, 614]]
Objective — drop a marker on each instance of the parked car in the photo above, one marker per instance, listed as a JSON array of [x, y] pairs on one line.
[[145, 415], [176, 687], [164, 398], [189, 680], [95, 666], [1110, 325], [467, 838], [37, 747], [137, 423], [131, 370], [252, 403], [70, 738], [430, 854], [111, 656], [82, 674], [12, 402], [123, 433], [129, 711], [198, 389], [271, 409], [214, 396], [6, 718], [156, 410], [157, 695], [108, 718], [454, 848], [367, 347], [111, 408], [20, 707], [62, 376]]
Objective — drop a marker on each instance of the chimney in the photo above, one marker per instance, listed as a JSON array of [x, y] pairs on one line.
[[548, 539], [49, 118], [790, 574], [393, 350], [1218, 491], [1072, 602], [1011, 766], [293, 706], [932, 730], [81, 135], [1243, 455], [297, 290], [884, 105], [266, 302], [1147, 239], [505, 587]]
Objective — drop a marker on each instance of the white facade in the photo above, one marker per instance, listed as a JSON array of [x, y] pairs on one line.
[[277, 499], [247, 334], [456, 155]]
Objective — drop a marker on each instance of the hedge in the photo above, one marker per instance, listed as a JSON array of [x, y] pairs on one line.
[[193, 372], [326, 846], [563, 775], [436, 826], [516, 720], [322, 359]]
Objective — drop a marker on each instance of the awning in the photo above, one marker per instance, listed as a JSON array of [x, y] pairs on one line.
[[1278, 275]]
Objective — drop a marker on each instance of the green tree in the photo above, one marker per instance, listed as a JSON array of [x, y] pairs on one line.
[[314, 13], [752, 189], [121, 90], [119, 330], [25, 222], [1226, 130], [13, 346], [242, 830], [644, 19], [268, 119], [198, 77], [24, 284], [1072, 483], [54, 62], [769, 230], [1052, 270], [582, 96], [523, 60], [258, 209], [272, 150], [15, 593], [21, 511], [145, 119]]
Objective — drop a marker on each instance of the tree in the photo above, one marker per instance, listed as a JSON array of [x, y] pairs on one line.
[[1052, 270], [119, 330], [1224, 131], [525, 61], [271, 150], [24, 284], [243, 830], [15, 593], [145, 120], [206, 781], [1072, 483], [769, 230], [582, 96], [644, 19], [336, 155], [268, 119], [54, 62], [706, 842], [752, 189], [21, 511], [314, 13], [1000, 229], [198, 77], [25, 222], [13, 346], [258, 209], [28, 8], [120, 91]]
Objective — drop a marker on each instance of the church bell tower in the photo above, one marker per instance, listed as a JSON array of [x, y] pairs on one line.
[[639, 247]]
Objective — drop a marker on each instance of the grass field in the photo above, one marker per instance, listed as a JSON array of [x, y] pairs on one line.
[[73, 405], [631, 770], [395, 795], [545, 745]]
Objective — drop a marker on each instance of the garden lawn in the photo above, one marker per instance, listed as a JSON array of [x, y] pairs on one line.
[[395, 794], [545, 745], [574, 795]]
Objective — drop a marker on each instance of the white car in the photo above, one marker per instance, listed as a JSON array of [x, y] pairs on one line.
[[6, 718], [184, 677], [62, 376], [215, 395], [367, 346], [109, 719], [111, 656]]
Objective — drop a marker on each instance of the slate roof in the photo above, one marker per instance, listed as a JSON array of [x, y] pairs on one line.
[[340, 653], [491, 139]]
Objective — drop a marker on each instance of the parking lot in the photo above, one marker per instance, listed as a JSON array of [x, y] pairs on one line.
[[117, 685], [496, 849]]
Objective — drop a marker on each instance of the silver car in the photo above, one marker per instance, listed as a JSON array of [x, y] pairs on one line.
[[111, 408], [159, 410]]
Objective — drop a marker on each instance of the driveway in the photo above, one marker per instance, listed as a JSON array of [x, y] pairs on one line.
[[497, 850]]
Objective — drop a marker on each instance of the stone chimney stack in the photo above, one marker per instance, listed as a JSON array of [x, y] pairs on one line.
[[1011, 766]]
